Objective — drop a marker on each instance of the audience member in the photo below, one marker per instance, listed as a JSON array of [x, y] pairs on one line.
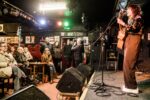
[[67, 55], [8, 67], [50, 68], [57, 57], [78, 52], [27, 53]]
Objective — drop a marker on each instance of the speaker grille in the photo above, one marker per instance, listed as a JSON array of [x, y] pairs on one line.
[[85, 69], [72, 81]]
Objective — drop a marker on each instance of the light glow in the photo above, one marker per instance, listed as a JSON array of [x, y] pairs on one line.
[[59, 23], [52, 6], [42, 21]]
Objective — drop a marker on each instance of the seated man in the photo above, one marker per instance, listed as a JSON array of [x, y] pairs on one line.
[[7, 68], [22, 60], [24, 64]]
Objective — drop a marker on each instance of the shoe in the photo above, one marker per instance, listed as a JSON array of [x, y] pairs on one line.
[[135, 91]]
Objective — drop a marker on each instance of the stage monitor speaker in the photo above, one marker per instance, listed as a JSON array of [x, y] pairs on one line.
[[71, 81], [85, 69], [28, 93]]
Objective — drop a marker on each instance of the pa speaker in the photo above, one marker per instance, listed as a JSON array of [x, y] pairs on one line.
[[72, 81], [28, 93], [85, 69]]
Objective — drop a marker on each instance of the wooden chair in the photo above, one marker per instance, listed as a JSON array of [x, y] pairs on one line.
[[4, 83]]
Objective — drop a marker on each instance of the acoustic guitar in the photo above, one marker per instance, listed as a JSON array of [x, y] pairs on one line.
[[121, 33], [121, 37]]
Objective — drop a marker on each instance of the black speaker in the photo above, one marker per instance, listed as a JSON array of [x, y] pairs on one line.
[[85, 69], [71, 81], [28, 93]]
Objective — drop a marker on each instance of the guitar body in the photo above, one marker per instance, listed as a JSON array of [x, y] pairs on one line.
[[122, 31], [121, 38]]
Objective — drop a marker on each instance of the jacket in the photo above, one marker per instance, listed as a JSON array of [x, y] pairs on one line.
[[5, 70]]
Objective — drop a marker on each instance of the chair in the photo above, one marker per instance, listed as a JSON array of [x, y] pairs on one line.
[[5, 83]]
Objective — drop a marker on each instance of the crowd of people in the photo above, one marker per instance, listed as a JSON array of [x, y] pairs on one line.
[[15, 61], [71, 54]]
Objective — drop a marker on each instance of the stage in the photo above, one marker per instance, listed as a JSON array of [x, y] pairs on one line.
[[111, 78], [115, 79]]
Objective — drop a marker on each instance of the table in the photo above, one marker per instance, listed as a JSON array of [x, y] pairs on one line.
[[34, 64]]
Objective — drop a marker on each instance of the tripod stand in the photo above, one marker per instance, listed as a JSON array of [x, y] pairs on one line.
[[104, 89]]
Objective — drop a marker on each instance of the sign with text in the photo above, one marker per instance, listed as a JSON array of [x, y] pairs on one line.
[[9, 39], [71, 33]]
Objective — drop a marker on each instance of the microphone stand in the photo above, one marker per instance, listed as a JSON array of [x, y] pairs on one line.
[[101, 90]]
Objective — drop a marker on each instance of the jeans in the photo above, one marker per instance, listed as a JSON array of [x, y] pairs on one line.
[[18, 73]]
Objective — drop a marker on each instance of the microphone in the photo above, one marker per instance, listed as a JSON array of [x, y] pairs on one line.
[[123, 11]]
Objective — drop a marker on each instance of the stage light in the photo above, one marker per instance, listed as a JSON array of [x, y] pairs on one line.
[[67, 23], [42, 21], [46, 6], [14, 12], [59, 23], [68, 12]]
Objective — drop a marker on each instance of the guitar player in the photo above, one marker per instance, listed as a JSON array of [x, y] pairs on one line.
[[131, 46]]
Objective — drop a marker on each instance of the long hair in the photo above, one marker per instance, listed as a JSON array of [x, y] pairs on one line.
[[135, 9], [46, 57]]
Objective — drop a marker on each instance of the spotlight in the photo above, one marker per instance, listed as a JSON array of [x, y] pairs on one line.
[[59, 23], [52, 6], [42, 21]]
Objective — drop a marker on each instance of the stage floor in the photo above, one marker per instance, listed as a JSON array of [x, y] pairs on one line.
[[111, 78], [115, 79]]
